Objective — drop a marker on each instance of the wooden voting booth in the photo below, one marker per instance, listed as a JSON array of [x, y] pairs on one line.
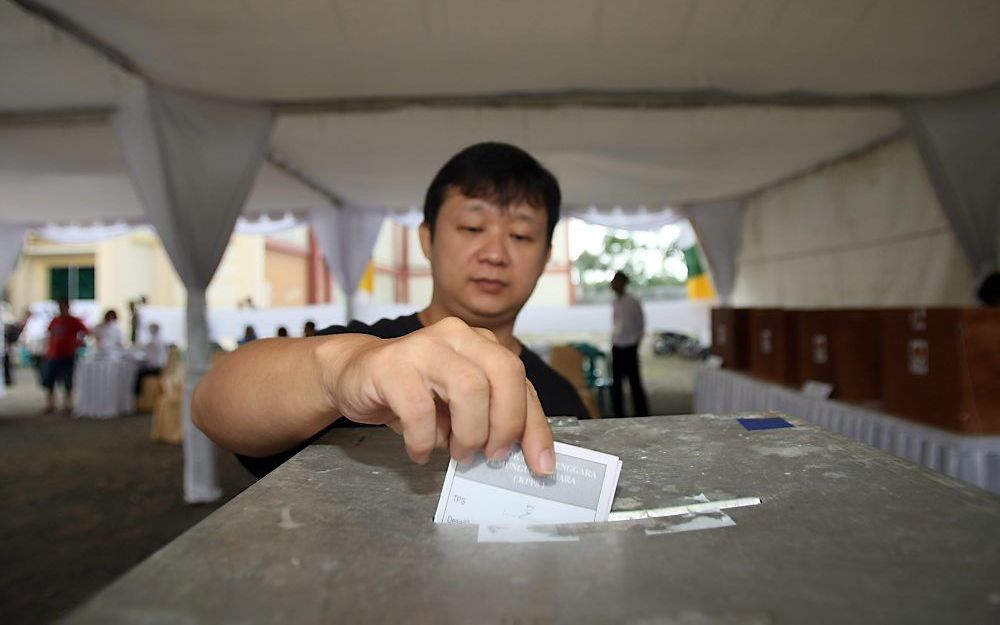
[[939, 366], [773, 354], [942, 367], [731, 337], [844, 349]]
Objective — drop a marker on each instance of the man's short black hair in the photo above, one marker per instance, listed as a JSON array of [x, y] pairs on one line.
[[498, 173]]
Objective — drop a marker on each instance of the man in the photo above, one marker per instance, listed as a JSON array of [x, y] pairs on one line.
[[66, 334], [629, 326], [11, 334], [452, 375], [154, 357], [133, 322]]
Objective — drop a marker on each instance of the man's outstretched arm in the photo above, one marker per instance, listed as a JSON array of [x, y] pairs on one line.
[[446, 385]]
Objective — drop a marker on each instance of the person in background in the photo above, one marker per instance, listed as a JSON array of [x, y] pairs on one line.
[[629, 326], [65, 336], [282, 331], [309, 329], [108, 334], [249, 334], [989, 290], [133, 322], [154, 356], [11, 333]]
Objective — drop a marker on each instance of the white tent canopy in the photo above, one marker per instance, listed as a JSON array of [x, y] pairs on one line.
[[646, 104], [317, 49], [637, 107]]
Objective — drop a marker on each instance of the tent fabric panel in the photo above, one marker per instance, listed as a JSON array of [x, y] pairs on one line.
[[310, 49], [75, 173], [602, 157], [51, 69], [868, 232]]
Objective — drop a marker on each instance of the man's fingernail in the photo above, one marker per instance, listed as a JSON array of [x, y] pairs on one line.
[[500, 454], [467, 458], [547, 462]]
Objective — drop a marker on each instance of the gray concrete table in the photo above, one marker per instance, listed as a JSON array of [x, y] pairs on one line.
[[342, 533]]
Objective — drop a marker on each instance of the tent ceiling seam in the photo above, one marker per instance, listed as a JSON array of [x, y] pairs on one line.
[[860, 152], [81, 34], [840, 249], [611, 99], [289, 169]]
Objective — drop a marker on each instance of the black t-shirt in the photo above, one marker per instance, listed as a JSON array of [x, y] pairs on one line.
[[556, 394]]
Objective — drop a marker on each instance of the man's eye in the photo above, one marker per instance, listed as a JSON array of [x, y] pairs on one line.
[[521, 237], [470, 228]]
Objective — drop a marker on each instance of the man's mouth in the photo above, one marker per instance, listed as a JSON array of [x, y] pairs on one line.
[[488, 285]]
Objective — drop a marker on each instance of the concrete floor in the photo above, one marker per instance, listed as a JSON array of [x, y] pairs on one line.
[[86, 500]]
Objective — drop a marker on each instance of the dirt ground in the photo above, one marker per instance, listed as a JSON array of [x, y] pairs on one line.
[[86, 500]]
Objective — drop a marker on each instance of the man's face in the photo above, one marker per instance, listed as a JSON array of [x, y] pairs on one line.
[[485, 259]]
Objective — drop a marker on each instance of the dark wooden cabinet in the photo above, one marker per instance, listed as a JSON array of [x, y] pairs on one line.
[[942, 367]]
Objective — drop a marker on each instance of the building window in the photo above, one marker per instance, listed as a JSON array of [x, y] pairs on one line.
[[71, 283]]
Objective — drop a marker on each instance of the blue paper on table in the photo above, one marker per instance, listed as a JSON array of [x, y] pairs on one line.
[[765, 423]]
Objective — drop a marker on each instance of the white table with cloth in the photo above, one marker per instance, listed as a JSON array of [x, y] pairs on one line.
[[968, 457], [105, 387]]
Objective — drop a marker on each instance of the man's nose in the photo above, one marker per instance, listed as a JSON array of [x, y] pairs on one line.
[[494, 250]]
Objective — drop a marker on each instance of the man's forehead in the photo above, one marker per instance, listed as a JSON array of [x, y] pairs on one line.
[[522, 211]]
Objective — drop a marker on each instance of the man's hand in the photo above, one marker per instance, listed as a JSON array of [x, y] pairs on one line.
[[445, 385]]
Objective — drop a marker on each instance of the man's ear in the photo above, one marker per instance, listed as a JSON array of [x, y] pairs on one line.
[[424, 231]]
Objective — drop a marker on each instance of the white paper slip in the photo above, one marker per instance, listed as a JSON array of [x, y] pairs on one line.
[[506, 492]]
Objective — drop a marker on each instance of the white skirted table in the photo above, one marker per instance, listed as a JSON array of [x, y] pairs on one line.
[[972, 458], [104, 388]]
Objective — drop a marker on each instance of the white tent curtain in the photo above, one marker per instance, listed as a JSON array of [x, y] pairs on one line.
[[637, 219], [263, 224], [958, 139], [267, 224], [11, 239], [718, 227], [347, 236], [75, 233], [410, 217], [193, 162]]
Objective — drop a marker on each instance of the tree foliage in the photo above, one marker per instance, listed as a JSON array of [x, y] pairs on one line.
[[621, 252]]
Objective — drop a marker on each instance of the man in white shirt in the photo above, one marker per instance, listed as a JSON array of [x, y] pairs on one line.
[[154, 356], [629, 326]]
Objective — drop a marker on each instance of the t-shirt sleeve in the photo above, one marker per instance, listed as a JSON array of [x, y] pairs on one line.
[[262, 466]]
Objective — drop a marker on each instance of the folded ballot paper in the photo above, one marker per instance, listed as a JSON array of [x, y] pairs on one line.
[[506, 492]]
